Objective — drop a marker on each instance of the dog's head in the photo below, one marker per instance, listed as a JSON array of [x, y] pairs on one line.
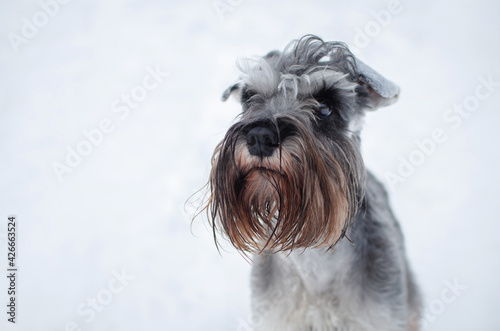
[[289, 173]]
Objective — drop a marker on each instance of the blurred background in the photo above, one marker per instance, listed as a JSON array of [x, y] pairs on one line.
[[110, 111]]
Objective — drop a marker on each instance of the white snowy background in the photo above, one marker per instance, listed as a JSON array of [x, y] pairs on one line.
[[120, 209]]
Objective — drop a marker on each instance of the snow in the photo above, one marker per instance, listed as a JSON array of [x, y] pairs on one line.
[[121, 208]]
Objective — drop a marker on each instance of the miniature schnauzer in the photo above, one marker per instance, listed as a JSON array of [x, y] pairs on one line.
[[289, 186]]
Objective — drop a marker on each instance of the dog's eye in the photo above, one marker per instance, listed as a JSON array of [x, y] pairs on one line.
[[323, 111]]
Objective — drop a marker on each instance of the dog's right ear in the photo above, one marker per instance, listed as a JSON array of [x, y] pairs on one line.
[[235, 88]]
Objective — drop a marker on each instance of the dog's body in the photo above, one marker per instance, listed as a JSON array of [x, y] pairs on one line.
[[288, 184], [363, 285]]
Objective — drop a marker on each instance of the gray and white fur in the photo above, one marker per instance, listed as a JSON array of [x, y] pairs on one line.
[[361, 284], [289, 186]]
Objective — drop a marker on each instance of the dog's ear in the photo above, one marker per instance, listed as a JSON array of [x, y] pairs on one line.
[[235, 88], [379, 91]]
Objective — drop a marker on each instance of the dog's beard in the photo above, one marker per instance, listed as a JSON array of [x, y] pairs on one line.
[[301, 196]]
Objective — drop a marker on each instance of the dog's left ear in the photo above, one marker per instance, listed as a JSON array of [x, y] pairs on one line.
[[380, 91], [235, 88]]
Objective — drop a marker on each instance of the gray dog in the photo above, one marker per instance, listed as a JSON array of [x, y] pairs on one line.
[[288, 185]]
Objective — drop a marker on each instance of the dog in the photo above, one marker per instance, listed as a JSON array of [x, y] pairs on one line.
[[289, 188]]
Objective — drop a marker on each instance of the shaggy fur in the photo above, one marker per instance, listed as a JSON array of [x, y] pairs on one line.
[[288, 184]]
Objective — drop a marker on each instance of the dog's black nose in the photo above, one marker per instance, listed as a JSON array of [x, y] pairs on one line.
[[262, 141]]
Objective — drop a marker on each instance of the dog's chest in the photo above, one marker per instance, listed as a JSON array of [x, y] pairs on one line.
[[310, 288], [321, 271]]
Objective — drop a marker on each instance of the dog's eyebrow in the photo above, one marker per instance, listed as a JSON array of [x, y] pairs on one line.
[[315, 82]]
